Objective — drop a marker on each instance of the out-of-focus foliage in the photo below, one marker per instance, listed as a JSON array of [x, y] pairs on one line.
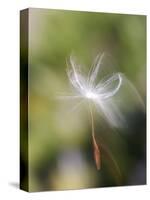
[[60, 148]]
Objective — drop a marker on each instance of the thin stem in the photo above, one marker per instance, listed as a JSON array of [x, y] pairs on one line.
[[96, 148]]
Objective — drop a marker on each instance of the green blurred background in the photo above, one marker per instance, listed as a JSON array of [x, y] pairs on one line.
[[60, 145]]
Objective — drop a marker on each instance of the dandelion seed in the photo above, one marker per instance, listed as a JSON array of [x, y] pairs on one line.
[[100, 94]]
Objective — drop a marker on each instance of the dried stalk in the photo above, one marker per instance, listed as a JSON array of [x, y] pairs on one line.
[[95, 146]]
